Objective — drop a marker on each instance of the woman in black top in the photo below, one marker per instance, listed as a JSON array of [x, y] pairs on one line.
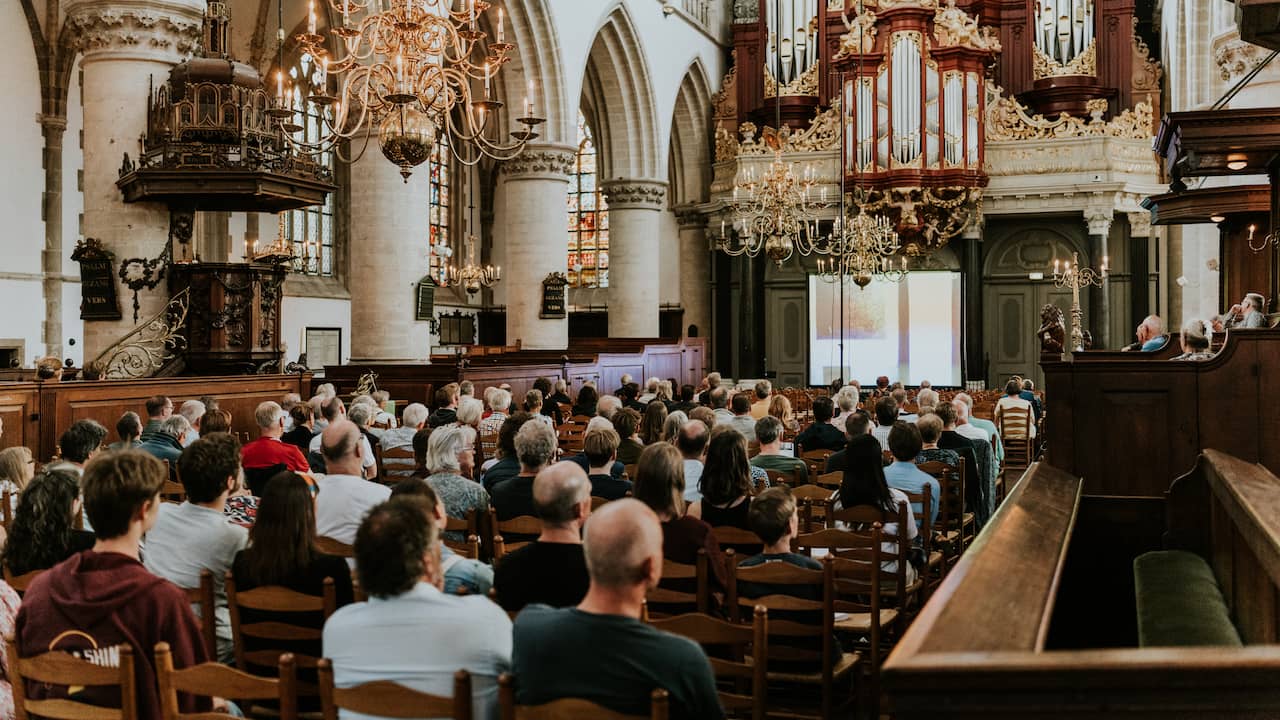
[[586, 404], [43, 531], [726, 481]]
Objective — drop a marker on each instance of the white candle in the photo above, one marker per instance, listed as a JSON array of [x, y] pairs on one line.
[[486, 79], [526, 107], [311, 17], [400, 68], [501, 32], [324, 75], [345, 10], [280, 86]]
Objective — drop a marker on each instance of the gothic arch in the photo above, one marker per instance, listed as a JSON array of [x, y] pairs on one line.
[[536, 60], [618, 95], [691, 138], [1024, 249]]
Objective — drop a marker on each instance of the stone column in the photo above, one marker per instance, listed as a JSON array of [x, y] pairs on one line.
[[126, 48], [634, 264], [1139, 265], [972, 336], [695, 271], [1099, 221], [53, 128], [536, 185], [389, 233]]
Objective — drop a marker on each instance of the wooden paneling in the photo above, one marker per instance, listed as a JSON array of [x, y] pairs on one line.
[[19, 409]]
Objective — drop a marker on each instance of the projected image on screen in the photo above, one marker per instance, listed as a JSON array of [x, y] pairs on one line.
[[909, 331]]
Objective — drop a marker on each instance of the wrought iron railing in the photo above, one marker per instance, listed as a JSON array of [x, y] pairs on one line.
[[151, 345]]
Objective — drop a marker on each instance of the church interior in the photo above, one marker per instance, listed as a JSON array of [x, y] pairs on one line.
[[691, 256]]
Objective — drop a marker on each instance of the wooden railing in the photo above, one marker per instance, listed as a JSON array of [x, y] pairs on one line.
[[984, 645]]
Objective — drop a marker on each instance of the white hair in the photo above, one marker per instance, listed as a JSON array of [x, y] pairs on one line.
[[470, 410], [626, 378], [607, 405], [415, 415], [326, 390], [847, 399], [652, 384], [268, 414], [927, 398], [599, 422], [192, 410], [175, 425], [444, 446], [501, 400]]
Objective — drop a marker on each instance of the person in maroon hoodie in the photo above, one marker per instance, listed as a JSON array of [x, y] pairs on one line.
[[101, 598]]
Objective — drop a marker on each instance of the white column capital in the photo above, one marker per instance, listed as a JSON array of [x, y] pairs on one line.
[[690, 218], [157, 30], [542, 162], [1140, 223], [1099, 220], [624, 194]]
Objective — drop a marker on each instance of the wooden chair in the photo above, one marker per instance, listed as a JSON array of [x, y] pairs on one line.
[[1015, 433], [489, 444], [597, 502], [570, 708], [62, 669], [525, 526], [173, 492], [20, 583], [805, 641], [383, 698], [816, 460], [673, 596], [744, 542], [629, 471], [329, 546], [469, 548], [213, 679], [858, 523], [403, 467], [831, 480], [955, 527], [203, 596], [280, 602], [936, 566], [782, 477], [811, 506], [732, 672]]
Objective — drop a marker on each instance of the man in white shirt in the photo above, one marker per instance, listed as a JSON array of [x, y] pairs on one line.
[[196, 535], [344, 495], [966, 428], [333, 411], [719, 398], [742, 420], [410, 632], [886, 416], [692, 443]]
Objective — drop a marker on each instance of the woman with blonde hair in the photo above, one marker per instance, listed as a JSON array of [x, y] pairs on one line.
[[780, 407], [17, 467], [655, 416]]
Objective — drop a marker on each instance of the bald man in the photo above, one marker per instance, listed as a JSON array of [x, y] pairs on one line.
[[1150, 334], [600, 650], [347, 496], [551, 570]]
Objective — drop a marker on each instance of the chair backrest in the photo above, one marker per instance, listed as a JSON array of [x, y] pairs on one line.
[[630, 470], [256, 478], [951, 490], [469, 525], [489, 443], [62, 669], [526, 527], [202, 595], [597, 502], [776, 477], [6, 499], [173, 492], [860, 522], [674, 595], [278, 601], [743, 542], [400, 452], [570, 708], [732, 667], [20, 583], [831, 480], [329, 546], [383, 698], [213, 679], [806, 602], [925, 501], [812, 502], [816, 460], [1014, 423]]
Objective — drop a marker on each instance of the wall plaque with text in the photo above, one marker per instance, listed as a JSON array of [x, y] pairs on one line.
[[553, 304], [97, 281]]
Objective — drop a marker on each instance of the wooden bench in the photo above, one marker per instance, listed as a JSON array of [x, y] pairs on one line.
[[1006, 634]]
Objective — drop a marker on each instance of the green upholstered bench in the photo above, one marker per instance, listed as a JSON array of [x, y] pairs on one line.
[[1179, 603]]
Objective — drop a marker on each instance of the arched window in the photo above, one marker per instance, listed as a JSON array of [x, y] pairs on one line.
[[310, 231], [588, 217], [439, 202]]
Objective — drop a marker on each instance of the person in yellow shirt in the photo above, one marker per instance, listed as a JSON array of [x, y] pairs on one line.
[[760, 406]]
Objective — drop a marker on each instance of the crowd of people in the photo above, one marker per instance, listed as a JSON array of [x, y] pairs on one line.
[[663, 464]]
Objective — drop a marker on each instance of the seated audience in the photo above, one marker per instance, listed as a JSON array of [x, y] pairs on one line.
[[821, 434], [215, 420], [585, 405], [466, 389], [709, 383], [559, 393], [617, 470], [659, 484], [692, 444], [771, 457], [333, 410], [412, 420], [506, 465], [780, 407], [269, 450], [533, 406], [196, 535], [651, 424], [547, 407], [103, 597], [743, 421], [600, 650], [1029, 393], [687, 401], [607, 405], [719, 404], [704, 414], [450, 456], [345, 495], [760, 401], [664, 395], [930, 427], [77, 445], [726, 484], [650, 391], [535, 446], [193, 411], [864, 484], [501, 404], [159, 409], [899, 396], [902, 474], [1195, 344], [129, 428], [980, 473], [1248, 313], [461, 575], [886, 410], [1012, 401], [600, 446], [361, 415], [982, 424], [964, 427], [446, 406], [303, 422], [846, 404], [926, 401], [773, 518], [470, 412], [43, 531], [410, 632], [10, 602], [166, 443], [626, 422], [551, 570], [629, 394], [676, 420], [1150, 334], [421, 443], [858, 424], [17, 467], [384, 417]]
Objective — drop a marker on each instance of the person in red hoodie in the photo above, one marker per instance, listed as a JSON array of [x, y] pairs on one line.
[[104, 597]]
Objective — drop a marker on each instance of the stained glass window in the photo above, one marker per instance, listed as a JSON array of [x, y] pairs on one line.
[[438, 204], [310, 230], [588, 259]]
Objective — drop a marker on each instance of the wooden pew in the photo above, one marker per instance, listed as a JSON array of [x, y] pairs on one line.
[[988, 643], [36, 414]]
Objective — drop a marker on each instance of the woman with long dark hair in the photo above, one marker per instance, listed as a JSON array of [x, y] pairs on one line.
[[655, 415], [864, 484], [586, 402], [726, 484], [282, 544], [43, 531]]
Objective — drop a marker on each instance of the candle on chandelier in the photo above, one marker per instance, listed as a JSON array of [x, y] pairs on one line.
[[486, 79], [400, 68], [345, 11], [324, 74], [1106, 263], [280, 86], [311, 17], [1055, 266], [501, 32], [473, 14]]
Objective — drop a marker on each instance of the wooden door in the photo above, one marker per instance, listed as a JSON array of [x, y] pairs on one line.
[[786, 348]]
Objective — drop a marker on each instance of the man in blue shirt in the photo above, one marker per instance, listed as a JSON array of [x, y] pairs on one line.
[[902, 474]]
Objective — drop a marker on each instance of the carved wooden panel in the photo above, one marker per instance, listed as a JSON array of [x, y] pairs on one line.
[[19, 404], [787, 317]]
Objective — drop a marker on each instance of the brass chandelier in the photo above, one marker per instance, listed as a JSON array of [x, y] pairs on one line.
[[863, 248], [409, 70], [471, 276]]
